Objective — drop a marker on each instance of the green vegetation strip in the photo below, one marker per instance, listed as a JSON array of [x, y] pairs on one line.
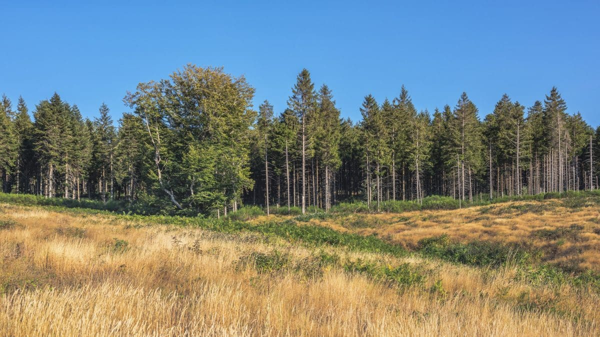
[[479, 254], [149, 206]]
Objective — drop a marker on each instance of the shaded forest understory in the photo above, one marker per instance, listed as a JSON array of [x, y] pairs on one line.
[[194, 145], [519, 268]]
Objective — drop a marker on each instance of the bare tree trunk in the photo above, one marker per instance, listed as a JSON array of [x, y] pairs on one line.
[[491, 175], [18, 173], [458, 180], [50, 181], [518, 180], [314, 185], [327, 197], [591, 165], [367, 176], [287, 174], [66, 181], [266, 177], [470, 186], [112, 179], [394, 176], [463, 180], [378, 188], [403, 184], [303, 164]]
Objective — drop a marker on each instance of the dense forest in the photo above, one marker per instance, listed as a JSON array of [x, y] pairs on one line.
[[194, 143]]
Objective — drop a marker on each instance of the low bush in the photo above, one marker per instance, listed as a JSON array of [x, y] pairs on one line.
[[266, 262], [476, 253], [309, 216], [404, 274], [284, 211], [246, 213]]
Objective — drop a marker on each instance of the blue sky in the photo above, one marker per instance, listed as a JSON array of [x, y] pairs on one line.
[[95, 52]]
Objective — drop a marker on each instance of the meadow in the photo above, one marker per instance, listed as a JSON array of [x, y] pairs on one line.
[[515, 268]]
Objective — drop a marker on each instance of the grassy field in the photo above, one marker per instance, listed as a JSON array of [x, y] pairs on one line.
[[526, 268]]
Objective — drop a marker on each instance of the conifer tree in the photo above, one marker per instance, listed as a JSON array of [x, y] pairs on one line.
[[376, 150], [50, 123], [303, 103], [466, 142], [104, 144], [8, 142], [420, 147], [25, 159], [265, 124], [328, 138], [399, 122], [554, 115]]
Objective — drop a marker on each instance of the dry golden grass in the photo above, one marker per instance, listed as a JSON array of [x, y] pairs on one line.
[[569, 237], [73, 275]]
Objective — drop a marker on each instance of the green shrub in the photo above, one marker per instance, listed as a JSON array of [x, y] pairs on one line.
[[266, 263], [309, 216], [571, 232], [284, 210], [476, 253], [404, 274], [119, 246], [8, 224], [246, 213]]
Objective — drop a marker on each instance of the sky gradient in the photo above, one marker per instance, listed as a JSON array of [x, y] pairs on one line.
[[95, 52]]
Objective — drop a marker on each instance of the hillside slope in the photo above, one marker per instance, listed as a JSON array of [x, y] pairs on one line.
[[68, 273]]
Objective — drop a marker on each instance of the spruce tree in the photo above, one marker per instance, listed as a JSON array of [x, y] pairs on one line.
[[8, 143], [303, 103], [265, 125], [25, 158], [328, 138], [466, 138]]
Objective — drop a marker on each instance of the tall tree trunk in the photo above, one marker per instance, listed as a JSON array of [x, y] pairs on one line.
[[518, 180], [303, 164], [327, 201], [50, 181], [112, 178], [18, 173], [491, 175], [66, 181], [378, 188], [394, 177], [591, 165], [287, 174], [266, 177], [368, 178]]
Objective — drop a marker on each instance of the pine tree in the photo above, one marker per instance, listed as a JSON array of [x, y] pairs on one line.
[[399, 123], [50, 140], [130, 155], [328, 138], [554, 115], [376, 150], [103, 153], [303, 103], [24, 137], [265, 124], [420, 149], [285, 134], [8, 142], [466, 138]]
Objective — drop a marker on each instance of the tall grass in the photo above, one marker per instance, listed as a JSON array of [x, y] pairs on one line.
[[77, 274]]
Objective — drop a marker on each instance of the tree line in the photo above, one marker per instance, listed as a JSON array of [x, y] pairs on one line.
[[193, 142]]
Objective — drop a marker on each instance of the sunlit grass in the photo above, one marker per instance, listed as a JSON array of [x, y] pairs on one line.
[[70, 274]]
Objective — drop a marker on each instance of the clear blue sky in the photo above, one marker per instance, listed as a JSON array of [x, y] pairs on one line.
[[95, 52]]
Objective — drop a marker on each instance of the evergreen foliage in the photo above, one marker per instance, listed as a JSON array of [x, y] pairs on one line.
[[194, 145]]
